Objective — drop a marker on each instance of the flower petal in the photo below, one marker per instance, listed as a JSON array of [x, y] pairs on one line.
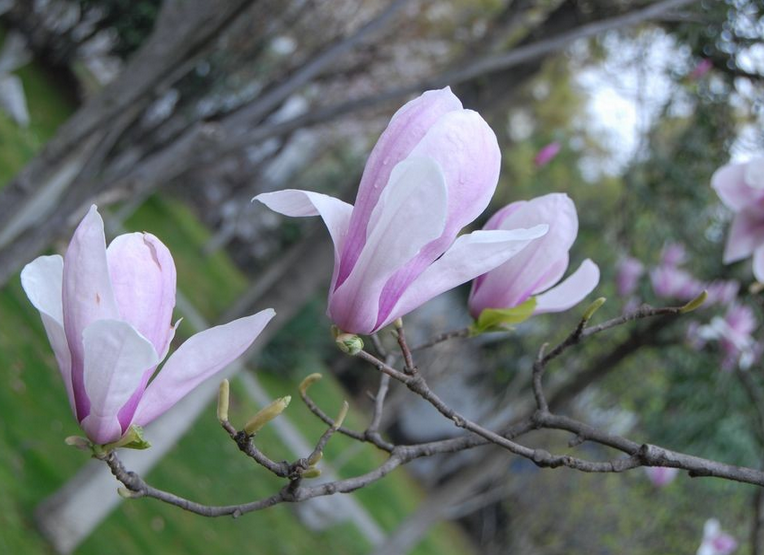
[[406, 129], [729, 182], [758, 264], [116, 357], [87, 294], [571, 291], [470, 256], [200, 357], [410, 213], [41, 280], [745, 235], [529, 272], [143, 278], [298, 204]]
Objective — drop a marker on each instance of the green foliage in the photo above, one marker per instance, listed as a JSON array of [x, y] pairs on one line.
[[500, 319]]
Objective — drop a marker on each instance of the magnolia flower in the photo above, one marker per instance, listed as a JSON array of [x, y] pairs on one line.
[[734, 332], [538, 266], [628, 272], [715, 541], [432, 172], [661, 476], [547, 153], [722, 291], [741, 189], [107, 313], [669, 280]]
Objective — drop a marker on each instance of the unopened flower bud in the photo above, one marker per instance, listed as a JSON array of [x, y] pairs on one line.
[[312, 472], [592, 308], [266, 415], [223, 398], [695, 303], [349, 343], [315, 458], [308, 381], [341, 416]]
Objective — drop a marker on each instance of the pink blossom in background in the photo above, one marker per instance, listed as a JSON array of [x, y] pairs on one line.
[[661, 476], [703, 67], [670, 282], [741, 188], [722, 292], [547, 153], [673, 254], [628, 272], [107, 313], [734, 332], [715, 540], [540, 265], [432, 172]]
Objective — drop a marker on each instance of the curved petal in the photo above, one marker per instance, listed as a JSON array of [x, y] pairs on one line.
[[410, 213], [729, 182], [298, 204], [87, 294], [471, 255], [116, 357], [406, 129], [571, 291], [41, 280], [758, 264], [530, 272], [200, 357], [143, 278], [745, 235]]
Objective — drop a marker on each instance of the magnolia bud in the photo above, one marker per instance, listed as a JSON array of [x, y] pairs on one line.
[[349, 343], [308, 381], [223, 398], [266, 415], [312, 472]]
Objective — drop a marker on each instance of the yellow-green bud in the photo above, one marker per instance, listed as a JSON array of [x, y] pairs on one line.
[[223, 398], [695, 303], [312, 472], [315, 458], [341, 416], [349, 343], [308, 381], [266, 415], [592, 308]]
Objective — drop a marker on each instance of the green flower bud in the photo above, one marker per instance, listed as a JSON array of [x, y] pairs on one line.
[[266, 415], [349, 343]]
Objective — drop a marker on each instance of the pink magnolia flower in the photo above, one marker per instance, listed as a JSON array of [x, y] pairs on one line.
[[734, 332], [538, 266], [722, 291], [547, 153], [628, 272], [715, 540], [107, 313], [741, 189], [673, 254], [432, 172], [669, 280], [661, 476]]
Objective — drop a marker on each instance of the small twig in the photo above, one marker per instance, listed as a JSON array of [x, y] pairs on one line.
[[408, 360], [464, 332]]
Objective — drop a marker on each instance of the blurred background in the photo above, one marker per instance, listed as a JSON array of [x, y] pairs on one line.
[[171, 115]]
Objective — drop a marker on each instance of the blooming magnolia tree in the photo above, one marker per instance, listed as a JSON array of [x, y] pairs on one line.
[[108, 311]]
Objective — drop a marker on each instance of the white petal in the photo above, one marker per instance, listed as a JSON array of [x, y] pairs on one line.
[[198, 359], [470, 256], [410, 213], [571, 291], [116, 356]]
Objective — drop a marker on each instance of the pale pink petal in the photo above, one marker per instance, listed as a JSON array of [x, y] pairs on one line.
[[530, 272], [87, 294], [745, 235], [471, 255], [116, 357], [409, 214], [547, 153], [143, 278], [758, 264], [465, 147], [41, 280], [571, 291], [406, 129], [299, 204], [729, 183], [198, 359], [754, 173]]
